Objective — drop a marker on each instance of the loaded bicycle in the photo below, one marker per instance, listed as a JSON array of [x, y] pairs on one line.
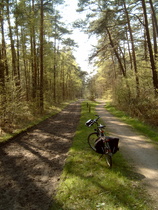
[[100, 143]]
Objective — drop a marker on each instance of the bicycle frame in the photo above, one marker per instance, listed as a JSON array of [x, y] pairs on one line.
[[99, 128]]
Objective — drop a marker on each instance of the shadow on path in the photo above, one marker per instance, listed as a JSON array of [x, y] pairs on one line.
[[31, 163]]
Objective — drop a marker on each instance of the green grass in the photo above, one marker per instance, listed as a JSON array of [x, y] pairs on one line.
[[143, 128], [87, 183]]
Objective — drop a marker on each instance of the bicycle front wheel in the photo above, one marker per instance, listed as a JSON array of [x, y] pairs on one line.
[[108, 160], [92, 138]]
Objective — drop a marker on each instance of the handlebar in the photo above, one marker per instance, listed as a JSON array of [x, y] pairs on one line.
[[95, 120], [91, 122]]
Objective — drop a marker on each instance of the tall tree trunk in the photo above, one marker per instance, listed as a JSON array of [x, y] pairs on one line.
[[154, 16], [63, 84], [129, 50], [155, 40], [4, 53], [25, 64], [54, 75], [55, 61], [13, 52], [152, 61], [145, 47], [41, 59], [18, 51], [2, 73], [33, 54], [116, 53], [3, 69], [62, 79], [155, 29], [133, 51]]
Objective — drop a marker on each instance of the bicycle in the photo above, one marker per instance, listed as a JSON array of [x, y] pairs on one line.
[[100, 143]]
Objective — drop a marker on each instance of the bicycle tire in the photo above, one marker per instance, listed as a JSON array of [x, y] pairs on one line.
[[92, 139], [108, 160]]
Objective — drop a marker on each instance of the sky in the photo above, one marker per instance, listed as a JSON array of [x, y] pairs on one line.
[[68, 11]]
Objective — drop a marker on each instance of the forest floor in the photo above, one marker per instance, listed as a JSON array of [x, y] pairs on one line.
[[137, 149], [32, 162]]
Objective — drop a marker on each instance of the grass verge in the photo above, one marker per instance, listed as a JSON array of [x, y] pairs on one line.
[[143, 128], [87, 183]]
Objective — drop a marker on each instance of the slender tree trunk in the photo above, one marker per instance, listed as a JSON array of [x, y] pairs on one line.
[[18, 59], [55, 62], [154, 39], [133, 51], [33, 55], [3, 69], [2, 72], [129, 50], [152, 61], [63, 79], [123, 57], [154, 16], [41, 60], [18, 51], [145, 47], [25, 65], [2, 88], [116, 53], [13, 52], [4, 53], [155, 29], [54, 76]]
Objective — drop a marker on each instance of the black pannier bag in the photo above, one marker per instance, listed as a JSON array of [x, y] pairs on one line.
[[113, 143], [99, 146]]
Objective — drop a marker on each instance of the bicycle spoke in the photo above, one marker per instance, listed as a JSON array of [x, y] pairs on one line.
[[92, 139]]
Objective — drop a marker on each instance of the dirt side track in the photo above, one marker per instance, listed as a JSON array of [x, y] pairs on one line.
[[31, 164]]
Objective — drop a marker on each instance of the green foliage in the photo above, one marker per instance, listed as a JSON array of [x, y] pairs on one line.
[[87, 183]]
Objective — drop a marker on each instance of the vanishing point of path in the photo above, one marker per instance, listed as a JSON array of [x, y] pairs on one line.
[[31, 163], [140, 151]]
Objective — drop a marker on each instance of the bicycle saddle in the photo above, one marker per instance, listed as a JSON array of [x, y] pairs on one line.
[[101, 126]]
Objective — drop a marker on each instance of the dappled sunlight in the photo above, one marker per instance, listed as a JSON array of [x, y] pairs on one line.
[[150, 173]]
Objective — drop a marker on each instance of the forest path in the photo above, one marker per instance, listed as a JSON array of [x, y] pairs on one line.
[[31, 163], [139, 150]]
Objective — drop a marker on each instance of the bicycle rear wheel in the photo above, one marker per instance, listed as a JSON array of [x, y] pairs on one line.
[[92, 138], [108, 160]]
